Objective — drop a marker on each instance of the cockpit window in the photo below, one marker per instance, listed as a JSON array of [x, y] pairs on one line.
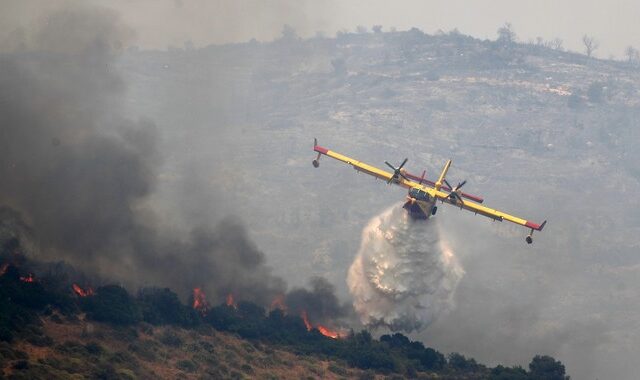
[[419, 194]]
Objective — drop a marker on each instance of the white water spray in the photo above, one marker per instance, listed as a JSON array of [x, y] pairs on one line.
[[403, 276]]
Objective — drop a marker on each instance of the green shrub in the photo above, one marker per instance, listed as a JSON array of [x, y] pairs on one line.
[[112, 304], [20, 364], [338, 370], [246, 368], [40, 340], [162, 306], [187, 365], [170, 338], [505, 373], [94, 348]]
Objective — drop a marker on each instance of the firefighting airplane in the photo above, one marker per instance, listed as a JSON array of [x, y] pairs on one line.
[[423, 194]]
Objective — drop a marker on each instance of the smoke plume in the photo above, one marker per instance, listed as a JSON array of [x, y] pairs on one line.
[[403, 276], [78, 175], [320, 302]]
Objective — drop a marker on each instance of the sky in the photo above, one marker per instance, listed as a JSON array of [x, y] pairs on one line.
[[162, 23]]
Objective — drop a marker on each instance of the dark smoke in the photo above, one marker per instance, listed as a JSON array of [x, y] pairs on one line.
[[320, 303], [78, 175]]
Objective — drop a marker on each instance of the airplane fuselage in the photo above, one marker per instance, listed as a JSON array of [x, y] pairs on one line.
[[419, 204]]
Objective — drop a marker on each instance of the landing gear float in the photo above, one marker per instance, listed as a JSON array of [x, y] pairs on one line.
[[423, 194]]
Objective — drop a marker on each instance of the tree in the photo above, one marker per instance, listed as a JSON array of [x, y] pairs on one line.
[[555, 44], [632, 54], [506, 373], [590, 44], [288, 33], [547, 368], [377, 29], [460, 362], [506, 35]]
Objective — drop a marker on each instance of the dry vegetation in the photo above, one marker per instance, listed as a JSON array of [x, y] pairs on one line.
[[82, 348]]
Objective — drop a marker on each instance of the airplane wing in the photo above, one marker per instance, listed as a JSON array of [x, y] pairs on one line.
[[362, 167], [434, 189], [483, 210]]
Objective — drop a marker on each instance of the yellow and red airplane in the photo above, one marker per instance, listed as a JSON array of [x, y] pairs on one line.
[[423, 194]]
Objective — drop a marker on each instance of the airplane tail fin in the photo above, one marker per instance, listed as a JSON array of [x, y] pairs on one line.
[[443, 174]]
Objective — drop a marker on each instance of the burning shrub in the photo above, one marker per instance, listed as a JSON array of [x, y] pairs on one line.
[[112, 304], [20, 302], [23, 290]]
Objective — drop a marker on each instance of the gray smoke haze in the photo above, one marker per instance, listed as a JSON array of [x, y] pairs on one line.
[[320, 302], [80, 175], [403, 276], [572, 294]]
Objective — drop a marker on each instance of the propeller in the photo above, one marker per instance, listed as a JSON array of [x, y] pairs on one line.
[[454, 190], [396, 171]]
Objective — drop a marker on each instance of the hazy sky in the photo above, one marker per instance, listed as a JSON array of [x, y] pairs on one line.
[[160, 23]]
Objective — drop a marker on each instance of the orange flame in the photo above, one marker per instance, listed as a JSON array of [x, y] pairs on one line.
[[28, 278], [328, 333], [231, 302], [323, 330], [200, 300], [82, 292], [278, 303], [305, 318]]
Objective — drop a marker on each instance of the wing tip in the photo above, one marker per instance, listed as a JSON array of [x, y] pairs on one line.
[[535, 226], [542, 225]]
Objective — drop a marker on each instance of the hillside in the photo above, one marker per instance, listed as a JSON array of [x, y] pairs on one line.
[[51, 329], [85, 349], [539, 132]]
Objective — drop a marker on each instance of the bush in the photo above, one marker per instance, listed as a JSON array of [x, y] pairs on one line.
[[94, 348], [505, 373], [246, 368], [112, 304], [20, 364], [595, 93], [145, 349], [170, 338], [460, 363], [338, 370], [187, 365], [162, 306]]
